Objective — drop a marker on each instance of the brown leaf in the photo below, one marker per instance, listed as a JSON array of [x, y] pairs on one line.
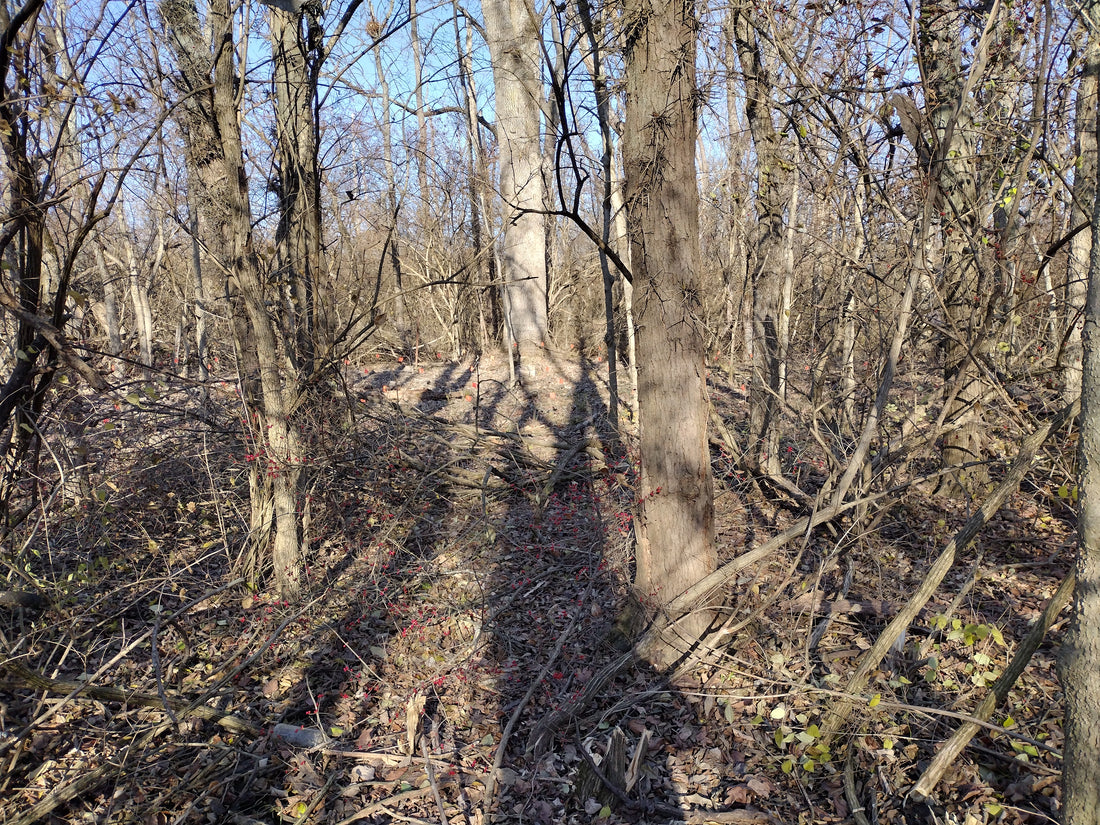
[[760, 785], [739, 795]]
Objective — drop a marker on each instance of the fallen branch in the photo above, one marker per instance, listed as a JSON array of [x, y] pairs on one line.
[[840, 712], [959, 740], [79, 787], [698, 593], [26, 677]]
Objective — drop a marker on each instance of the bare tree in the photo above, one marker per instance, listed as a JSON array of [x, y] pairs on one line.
[[1080, 659], [208, 85], [1084, 184], [298, 52], [769, 273], [675, 520], [513, 34]]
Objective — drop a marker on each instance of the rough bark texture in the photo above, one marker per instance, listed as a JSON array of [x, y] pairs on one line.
[[298, 236], [1084, 186], [513, 38], [215, 161], [1080, 662], [675, 520]]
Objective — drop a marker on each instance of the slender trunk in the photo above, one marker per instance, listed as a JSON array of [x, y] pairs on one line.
[[489, 293], [422, 137], [1084, 184], [607, 159], [110, 311], [295, 61], [200, 301], [400, 314], [215, 161], [143, 319], [1080, 657], [622, 248], [949, 112]]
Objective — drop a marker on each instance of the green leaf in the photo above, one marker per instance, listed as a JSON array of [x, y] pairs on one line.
[[787, 766], [604, 813], [873, 703], [888, 743]]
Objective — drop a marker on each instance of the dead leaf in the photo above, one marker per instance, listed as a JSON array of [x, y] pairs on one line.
[[739, 795]]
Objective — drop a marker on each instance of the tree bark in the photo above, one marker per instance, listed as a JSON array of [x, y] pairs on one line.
[[1084, 186], [215, 162], [296, 50], [513, 39], [1080, 659], [400, 314], [675, 519]]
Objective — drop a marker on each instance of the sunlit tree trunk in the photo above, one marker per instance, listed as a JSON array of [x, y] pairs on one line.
[[1084, 184], [201, 300], [513, 39], [675, 520], [1080, 658], [607, 162], [423, 142], [110, 310], [296, 43], [489, 301], [215, 161], [139, 295]]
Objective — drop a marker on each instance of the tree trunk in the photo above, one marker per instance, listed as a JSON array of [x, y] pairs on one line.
[[489, 300], [215, 162], [675, 520], [201, 300], [607, 161], [400, 314], [1084, 185], [110, 311], [423, 150], [513, 39], [953, 172], [296, 54], [1080, 659]]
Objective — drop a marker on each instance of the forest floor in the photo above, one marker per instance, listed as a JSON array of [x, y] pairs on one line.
[[469, 551]]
